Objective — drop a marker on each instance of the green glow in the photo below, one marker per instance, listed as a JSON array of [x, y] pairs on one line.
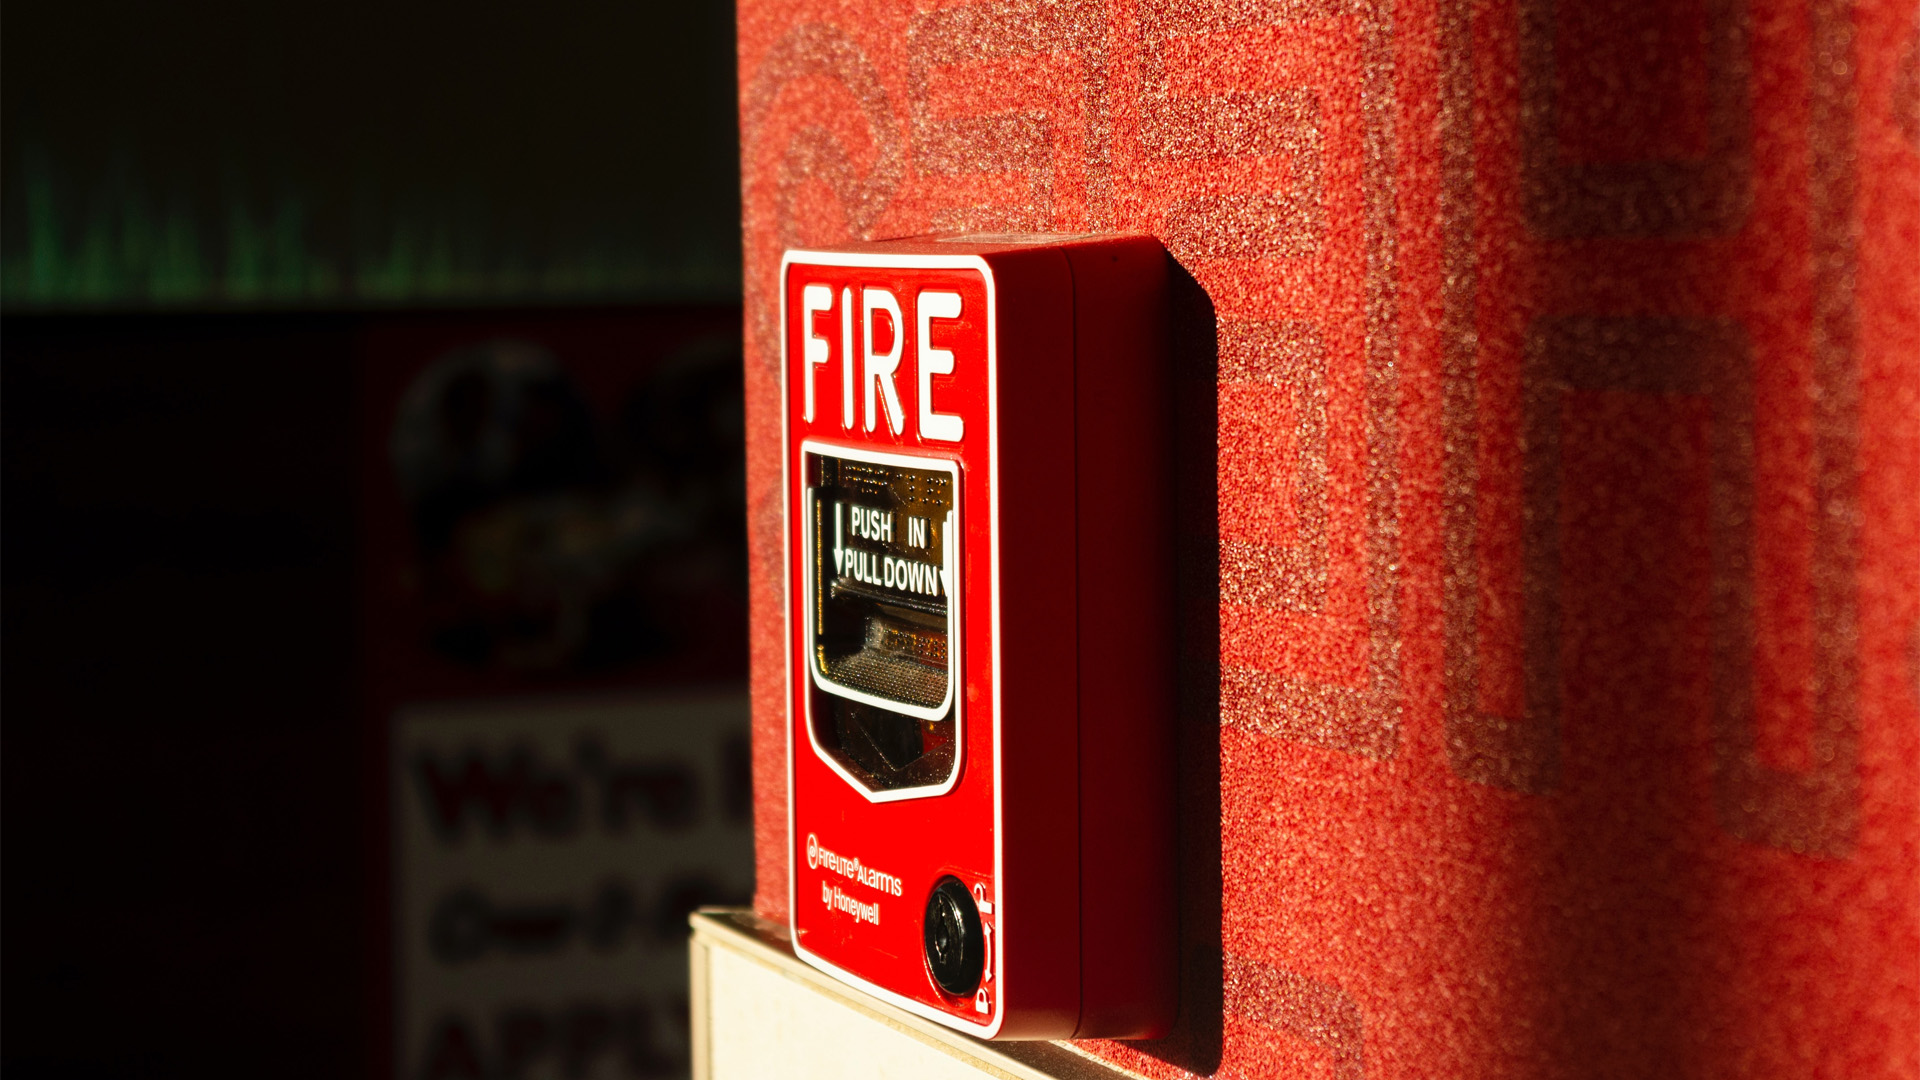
[[126, 249]]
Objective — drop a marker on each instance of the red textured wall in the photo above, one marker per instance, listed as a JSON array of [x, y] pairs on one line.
[[1550, 524]]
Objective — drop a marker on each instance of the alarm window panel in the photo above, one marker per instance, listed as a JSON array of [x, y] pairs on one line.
[[883, 631]]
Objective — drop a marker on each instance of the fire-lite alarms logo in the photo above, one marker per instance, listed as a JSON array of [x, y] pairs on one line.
[[818, 856]]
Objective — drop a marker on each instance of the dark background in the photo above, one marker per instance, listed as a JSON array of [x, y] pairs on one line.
[[181, 775], [204, 206], [220, 152]]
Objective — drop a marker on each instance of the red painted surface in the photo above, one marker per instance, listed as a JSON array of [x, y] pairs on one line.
[[1056, 811], [1550, 494]]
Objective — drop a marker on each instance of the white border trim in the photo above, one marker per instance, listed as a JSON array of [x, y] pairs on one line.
[[881, 260], [954, 642]]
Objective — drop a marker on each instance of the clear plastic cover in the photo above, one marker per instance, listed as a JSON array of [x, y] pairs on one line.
[[882, 617]]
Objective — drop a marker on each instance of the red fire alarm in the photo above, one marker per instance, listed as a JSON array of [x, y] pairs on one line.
[[979, 580]]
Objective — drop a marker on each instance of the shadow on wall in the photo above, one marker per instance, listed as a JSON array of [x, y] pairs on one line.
[[1195, 1042]]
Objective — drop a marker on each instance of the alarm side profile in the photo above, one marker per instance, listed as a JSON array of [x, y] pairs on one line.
[[980, 664]]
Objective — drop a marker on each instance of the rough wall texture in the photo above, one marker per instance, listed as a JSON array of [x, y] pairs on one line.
[[1550, 451]]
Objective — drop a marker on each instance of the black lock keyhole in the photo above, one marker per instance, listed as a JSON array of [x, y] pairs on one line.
[[955, 948]]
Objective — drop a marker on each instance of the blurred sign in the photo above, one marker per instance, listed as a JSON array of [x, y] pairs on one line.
[[547, 855], [563, 519]]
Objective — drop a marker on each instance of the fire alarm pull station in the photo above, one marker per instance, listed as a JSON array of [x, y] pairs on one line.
[[979, 585]]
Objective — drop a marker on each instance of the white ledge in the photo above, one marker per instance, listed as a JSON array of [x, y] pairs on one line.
[[758, 1011]]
